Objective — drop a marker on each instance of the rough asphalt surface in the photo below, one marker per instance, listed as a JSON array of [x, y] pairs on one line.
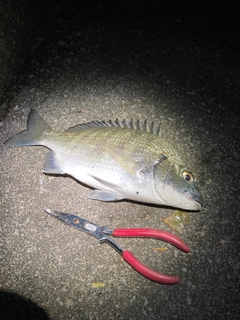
[[166, 71]]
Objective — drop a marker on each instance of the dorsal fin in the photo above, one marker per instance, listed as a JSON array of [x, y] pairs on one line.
[[132, 125]]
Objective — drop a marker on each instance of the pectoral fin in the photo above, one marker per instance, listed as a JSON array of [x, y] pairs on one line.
[[126, 161], [104, 195], [133, 164]]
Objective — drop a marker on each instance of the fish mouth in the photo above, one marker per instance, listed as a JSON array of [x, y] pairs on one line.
[[197, 199]]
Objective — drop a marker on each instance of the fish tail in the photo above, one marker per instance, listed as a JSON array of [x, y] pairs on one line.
[[32, 136]]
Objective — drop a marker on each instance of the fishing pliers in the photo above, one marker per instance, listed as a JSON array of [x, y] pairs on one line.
[[102, 233]]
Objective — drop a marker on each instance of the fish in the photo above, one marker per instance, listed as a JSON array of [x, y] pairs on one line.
[[118, 159]]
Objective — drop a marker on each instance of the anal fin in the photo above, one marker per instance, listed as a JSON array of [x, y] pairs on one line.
[[51, 164]]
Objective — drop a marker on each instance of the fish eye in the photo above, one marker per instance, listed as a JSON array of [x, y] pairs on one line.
[[187, 176]]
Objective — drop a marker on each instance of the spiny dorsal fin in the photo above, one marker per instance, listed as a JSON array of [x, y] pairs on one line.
[[132, 125]]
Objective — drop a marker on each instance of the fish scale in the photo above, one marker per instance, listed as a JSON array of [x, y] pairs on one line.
[[120, 159]]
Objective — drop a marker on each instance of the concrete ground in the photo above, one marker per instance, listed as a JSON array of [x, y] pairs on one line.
[[184, 76]]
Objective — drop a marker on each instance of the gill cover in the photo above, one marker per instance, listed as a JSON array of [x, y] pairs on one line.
[[175, 185], [156, 178]]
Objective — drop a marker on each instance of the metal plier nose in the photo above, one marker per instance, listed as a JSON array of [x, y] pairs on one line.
[[102, 233]]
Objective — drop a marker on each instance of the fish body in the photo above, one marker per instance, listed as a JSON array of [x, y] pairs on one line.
[[119, 159]]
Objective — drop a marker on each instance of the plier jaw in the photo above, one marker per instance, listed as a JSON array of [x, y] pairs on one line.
[[102, 233], [76, 222]]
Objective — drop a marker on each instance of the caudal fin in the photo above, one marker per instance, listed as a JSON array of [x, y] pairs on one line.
[[32, 136]]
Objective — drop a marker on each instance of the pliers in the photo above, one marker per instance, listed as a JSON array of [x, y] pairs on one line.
[[102, 233]]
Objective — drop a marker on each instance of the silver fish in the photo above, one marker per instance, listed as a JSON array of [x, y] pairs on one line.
[[119, 159]]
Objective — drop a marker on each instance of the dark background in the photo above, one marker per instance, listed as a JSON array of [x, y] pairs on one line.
[[28, 27]]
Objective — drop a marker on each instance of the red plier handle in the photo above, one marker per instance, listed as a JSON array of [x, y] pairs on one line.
[[150, 233]]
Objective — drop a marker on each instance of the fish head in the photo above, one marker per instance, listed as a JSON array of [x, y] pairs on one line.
[[177, 186]]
